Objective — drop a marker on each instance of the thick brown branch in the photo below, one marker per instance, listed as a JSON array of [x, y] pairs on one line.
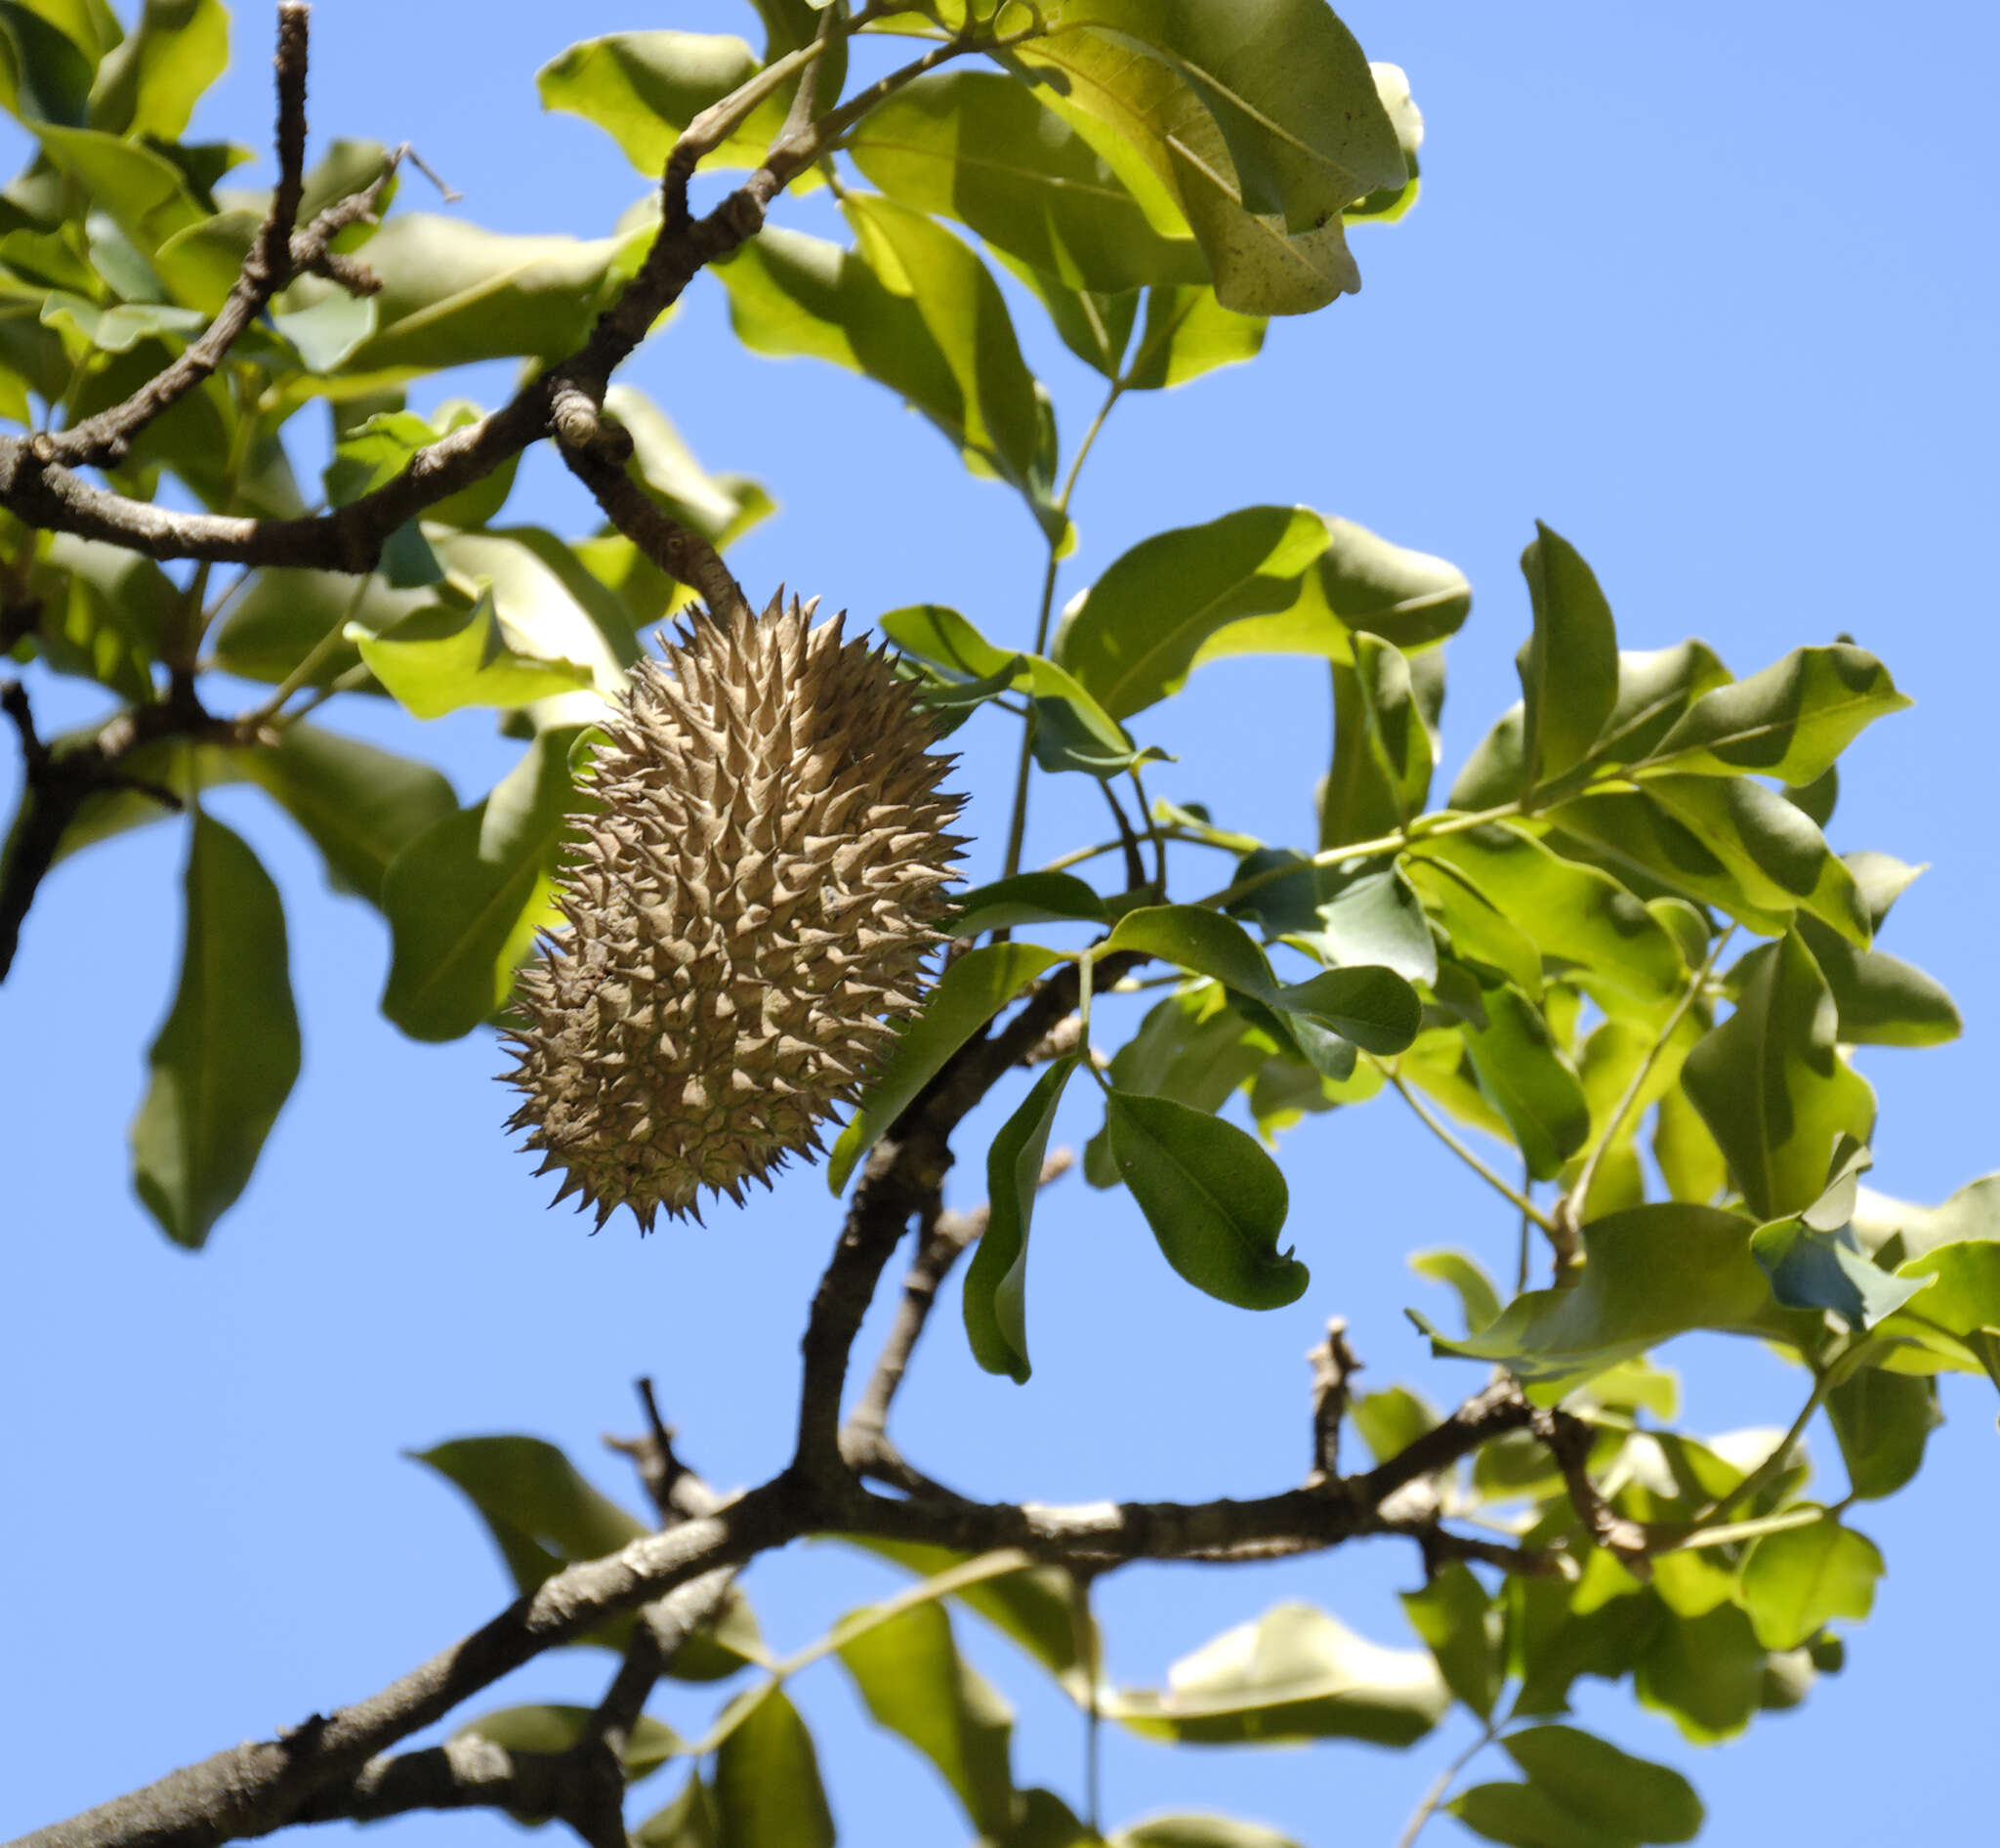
[[254, 1788], [903, 1175], [677, 549], [1568, 1440]]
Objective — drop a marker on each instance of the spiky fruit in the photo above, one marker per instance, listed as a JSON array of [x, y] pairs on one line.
[[748, 913]]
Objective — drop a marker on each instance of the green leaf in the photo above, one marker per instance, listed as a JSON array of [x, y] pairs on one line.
[[104, 610], [996, 1283], [1409, 599], [1294, 1674], [1462, 1274], [150, 84], [915, 1683], [465, 898], [1383, 748], [1214, 1201], [228, 1055], [142, 192], [1035, 1609], [453, 293], [1198, 1832], [1529, 1080], [545, 595], [1572, 911], [1523, 1816], [1464, 1632], [275, 624], [441, 660], [1772, 1088], [48, 58], [1202, 942], [1391, 1421], [1096, 328], [1798, 1579], [1373, 1008], [1261, 137], [648, 1743], [942, 340], [1358, 912], [997, 417], [1605, 1788], [943, 637], [976, 146], [1881, 1000], [360, 805], [1705, 1673], [971, 991], [1883, 1421], [1194, 1047], [1810, 1269], [373, 452], [1476, 928], [1186, 333], [643, 88], [527, 1491], [688, 1822], [1790, 721], [1028, 898], [1134, 637], [767, 1792], [1651, 1272], [1768, 846], [1570, 663]]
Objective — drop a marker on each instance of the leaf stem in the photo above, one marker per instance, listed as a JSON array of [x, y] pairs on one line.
[[1528, 1209], [1424, 827], [1435, 1795], [998, 1563], [1016, 827], [1579, 1195]]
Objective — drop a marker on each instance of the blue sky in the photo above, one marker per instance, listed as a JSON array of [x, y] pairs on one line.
[[1707, 288]]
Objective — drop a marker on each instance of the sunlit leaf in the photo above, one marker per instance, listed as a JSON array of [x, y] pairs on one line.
[[1798, 1579], [916, 1684], [1772, 1088], [1295, 1674], [465, 898]]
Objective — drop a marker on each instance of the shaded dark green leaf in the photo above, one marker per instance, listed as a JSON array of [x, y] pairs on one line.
[[1214, 1201], [1529, 1080], [227, 1054], [996, 1282]]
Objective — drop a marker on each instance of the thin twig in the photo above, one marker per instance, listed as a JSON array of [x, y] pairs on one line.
[[1442, 1132], [1333, 1365]]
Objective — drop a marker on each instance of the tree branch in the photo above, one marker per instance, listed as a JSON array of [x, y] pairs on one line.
[[56, 784], [104, 440]]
